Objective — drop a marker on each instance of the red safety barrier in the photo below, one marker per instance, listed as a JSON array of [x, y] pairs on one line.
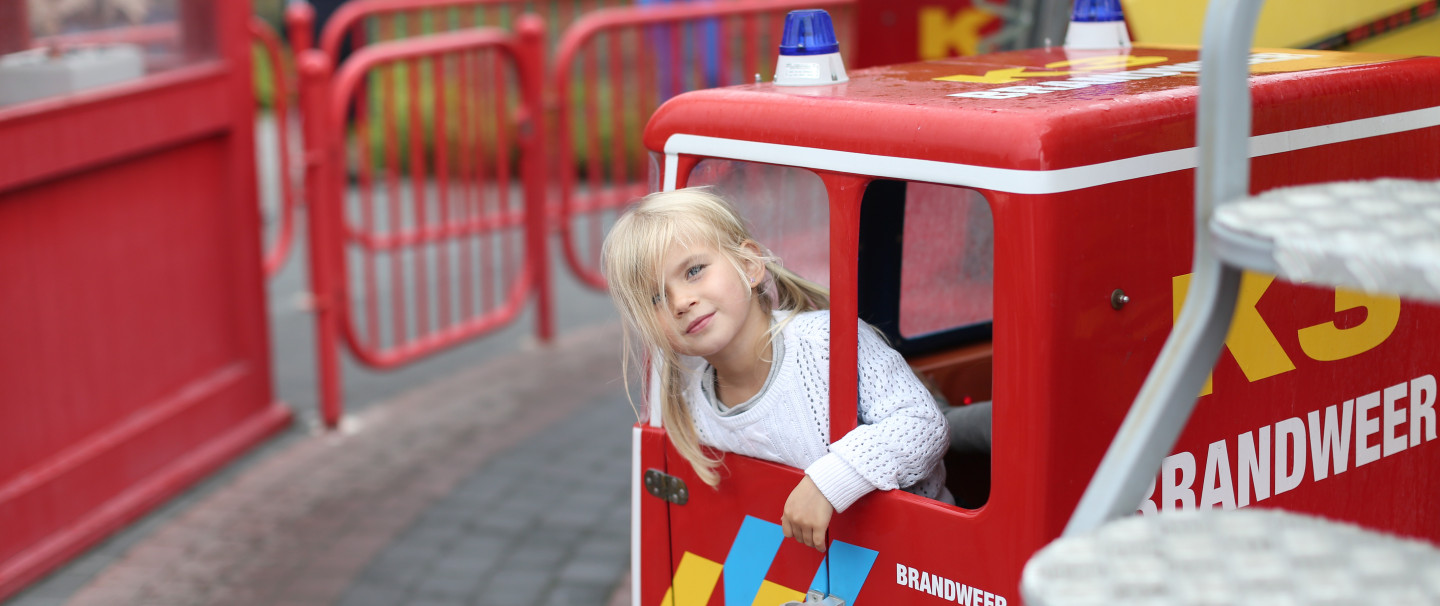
[[649, 55], [435, 222], [283, 240], [365, 22]]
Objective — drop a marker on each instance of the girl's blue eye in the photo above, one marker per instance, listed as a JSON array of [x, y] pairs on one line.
[[655, 300], [693, 271]]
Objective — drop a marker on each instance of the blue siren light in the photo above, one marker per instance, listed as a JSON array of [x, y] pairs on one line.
[[809, 32], [1097, 25], [1092, 11]]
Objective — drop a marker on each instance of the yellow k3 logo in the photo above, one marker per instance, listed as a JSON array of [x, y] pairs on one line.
[[1259, 353]]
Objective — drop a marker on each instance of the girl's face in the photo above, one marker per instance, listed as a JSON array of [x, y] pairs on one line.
[[707, 309]]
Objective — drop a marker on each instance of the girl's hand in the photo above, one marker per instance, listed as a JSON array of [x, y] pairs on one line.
[[807, 515]]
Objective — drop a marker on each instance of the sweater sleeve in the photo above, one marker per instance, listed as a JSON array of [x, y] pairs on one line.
[[901, 436]]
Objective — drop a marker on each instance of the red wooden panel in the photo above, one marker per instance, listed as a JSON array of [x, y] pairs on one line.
[[135, 355]]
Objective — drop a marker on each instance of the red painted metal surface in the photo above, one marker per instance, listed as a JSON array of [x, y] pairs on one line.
[[427, 214], [136, 356], [284, 121], [654, 534], [1090, 184], [615, 66], [904, 31]]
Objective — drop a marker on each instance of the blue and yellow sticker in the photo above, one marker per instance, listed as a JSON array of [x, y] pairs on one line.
[[842, 573]]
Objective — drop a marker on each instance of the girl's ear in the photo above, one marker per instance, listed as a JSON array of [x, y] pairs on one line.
[[753, 265]]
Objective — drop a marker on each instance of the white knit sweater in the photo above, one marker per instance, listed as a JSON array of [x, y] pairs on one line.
[[899, 443]]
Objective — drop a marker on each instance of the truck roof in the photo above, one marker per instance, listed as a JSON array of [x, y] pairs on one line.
[[1043, 109]]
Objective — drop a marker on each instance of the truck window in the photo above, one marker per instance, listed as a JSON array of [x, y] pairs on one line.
[[787, 208], [926, 281], [947, 258], [926, 265]]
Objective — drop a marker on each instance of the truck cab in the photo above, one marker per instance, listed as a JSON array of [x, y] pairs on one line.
[[1019, 225]]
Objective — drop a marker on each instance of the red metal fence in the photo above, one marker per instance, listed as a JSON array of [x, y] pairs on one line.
[[430, 191], [363, 22], [441, 139]]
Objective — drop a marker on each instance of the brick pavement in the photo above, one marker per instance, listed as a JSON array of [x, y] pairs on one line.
[[505, 484]]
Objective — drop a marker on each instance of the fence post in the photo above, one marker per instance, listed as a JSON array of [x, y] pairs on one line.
[[300, 21], [531, 64], [315, 70], [299, 18]]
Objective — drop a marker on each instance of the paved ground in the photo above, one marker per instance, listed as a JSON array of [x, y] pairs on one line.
[[504, 484]]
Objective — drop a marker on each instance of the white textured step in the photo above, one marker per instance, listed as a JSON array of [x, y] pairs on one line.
[[1235, 558], [1377, 236]]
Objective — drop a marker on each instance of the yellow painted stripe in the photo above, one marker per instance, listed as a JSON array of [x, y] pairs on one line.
[[694, 581], [1283, 23], [773, 595], [1420, 39]]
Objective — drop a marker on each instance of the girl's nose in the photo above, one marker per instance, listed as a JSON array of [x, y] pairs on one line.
[[681, 301]]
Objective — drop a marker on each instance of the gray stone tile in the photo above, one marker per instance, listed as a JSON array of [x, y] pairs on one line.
[[570, 594], [514, 588], [448, 585], [373, 594], [591, 571], [538, 556], [435, 601]]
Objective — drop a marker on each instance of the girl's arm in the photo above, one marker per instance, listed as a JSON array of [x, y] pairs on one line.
[[901, 436]]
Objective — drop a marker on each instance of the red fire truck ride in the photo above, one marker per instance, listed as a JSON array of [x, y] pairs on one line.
[[1019, 225]]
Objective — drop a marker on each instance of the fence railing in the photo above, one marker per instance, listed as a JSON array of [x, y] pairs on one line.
[[431, 131], [284, 121]]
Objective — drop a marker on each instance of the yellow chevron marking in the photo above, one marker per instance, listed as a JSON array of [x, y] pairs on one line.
[[771, 594], [694, 581]]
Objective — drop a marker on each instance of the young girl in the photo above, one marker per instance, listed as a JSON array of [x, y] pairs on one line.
[[743, 356]]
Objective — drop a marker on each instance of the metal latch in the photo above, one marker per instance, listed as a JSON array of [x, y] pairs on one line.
[[817, 598], [667, 487]]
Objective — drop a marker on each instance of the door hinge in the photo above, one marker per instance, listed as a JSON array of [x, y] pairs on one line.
[[667, 487]]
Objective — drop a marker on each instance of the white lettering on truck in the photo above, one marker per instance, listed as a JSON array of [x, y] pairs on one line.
[[1373, 426], [1092, 79], [945, 589]]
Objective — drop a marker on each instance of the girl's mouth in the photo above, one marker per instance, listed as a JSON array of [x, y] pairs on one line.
[[699, 323]]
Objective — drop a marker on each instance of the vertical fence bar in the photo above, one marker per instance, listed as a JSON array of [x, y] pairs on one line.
[[722, 59], [618, 131], [673, 75], [502, 166], [591, 99], [752, 62], [531, 70], [366, 182], [417, 184], [488, 241], [315, 73], [393, 192], [463, 167], [647, 91], [444, 287]]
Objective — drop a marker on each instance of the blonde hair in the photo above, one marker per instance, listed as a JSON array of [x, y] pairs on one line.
[[631, 261]]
